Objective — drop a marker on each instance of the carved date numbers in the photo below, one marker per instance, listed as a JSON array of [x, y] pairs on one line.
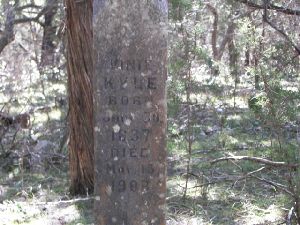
[[133, 135], [130, 185]]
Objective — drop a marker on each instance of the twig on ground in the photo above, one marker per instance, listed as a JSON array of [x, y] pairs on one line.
[[274, 184], [248, 174], [65, 201], [258, 160]]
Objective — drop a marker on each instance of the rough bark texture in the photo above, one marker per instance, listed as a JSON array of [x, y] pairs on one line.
[[214, 33], [233, 60], [7, 35], [80, 68], [48, 45]]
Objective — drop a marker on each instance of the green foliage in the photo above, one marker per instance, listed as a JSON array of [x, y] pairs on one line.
[[181, 3], [179, 7], [278, 105], [261, 124], [203, 55], [258, 102]]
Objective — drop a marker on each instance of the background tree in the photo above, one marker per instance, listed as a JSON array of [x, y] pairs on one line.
[[49, 36], [233, 112]]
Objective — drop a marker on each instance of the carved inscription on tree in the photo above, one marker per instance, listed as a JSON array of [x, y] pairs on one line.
[[130, 52]]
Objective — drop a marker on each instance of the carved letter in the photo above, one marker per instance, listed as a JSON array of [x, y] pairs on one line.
[[151, 84], [108, 83], [112, 100], [124, 100], [123, 83], [110, 169]]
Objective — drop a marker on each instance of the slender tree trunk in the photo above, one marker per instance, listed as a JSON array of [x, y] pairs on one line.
[[247, 56], [7, 35], [234, 68], [80, 68], [48, 45]]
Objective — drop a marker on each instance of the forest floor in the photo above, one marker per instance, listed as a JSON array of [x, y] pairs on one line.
[[34, 190], [42, 197], [218, 122]]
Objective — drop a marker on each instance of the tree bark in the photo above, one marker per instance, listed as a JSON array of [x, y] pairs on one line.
[[48, 45], [7, 35], [214, 33], [80, 68], [218, 52]]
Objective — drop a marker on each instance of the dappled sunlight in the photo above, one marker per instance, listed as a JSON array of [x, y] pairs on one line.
[[55, 115], [41, 118], [36, 213], [233, 117], [187, 221], [256, 215]]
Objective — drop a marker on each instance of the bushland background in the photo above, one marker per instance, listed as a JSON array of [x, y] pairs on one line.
[[233, 113]]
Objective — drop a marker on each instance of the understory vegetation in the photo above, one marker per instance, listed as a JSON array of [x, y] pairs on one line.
[[233, 114]]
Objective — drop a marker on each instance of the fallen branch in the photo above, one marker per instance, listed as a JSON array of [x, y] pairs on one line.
[[209, 183], [217, 180], [66, 201], [257, 160], [274, 184], [249, 174], [71, 201]]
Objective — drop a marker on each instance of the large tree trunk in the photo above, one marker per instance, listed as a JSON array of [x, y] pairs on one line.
[[80, 68]]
